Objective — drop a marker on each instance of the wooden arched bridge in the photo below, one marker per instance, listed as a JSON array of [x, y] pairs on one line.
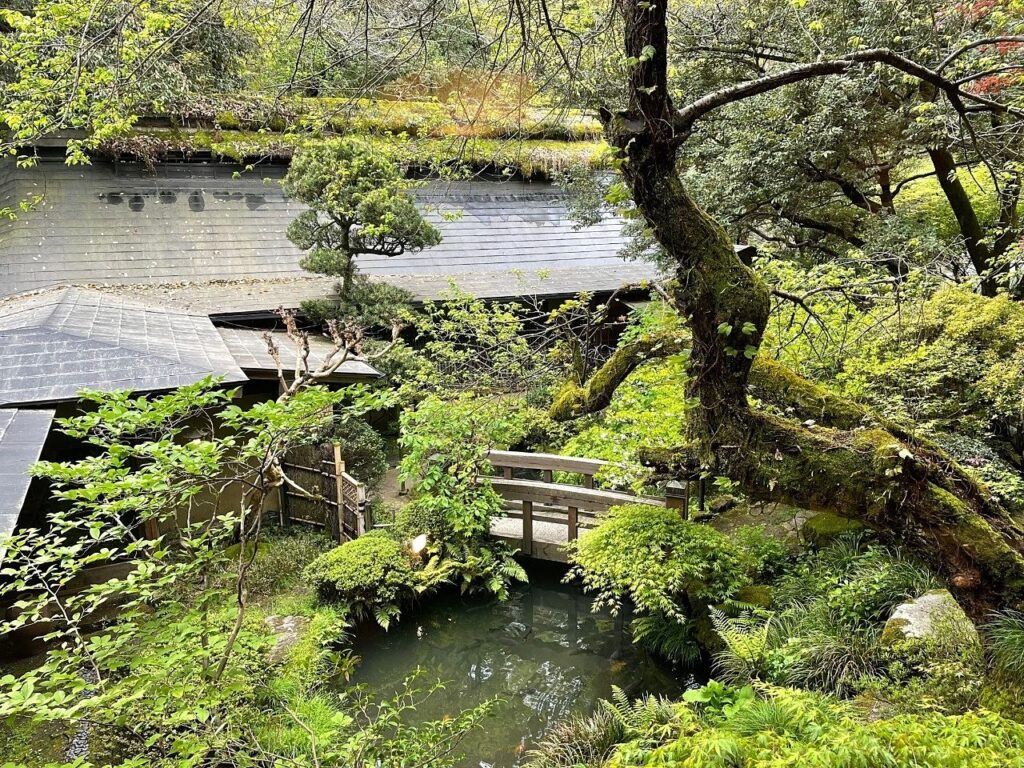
[[543, 515]]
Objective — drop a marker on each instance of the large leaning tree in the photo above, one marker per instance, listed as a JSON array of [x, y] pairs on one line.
[[835, 455]]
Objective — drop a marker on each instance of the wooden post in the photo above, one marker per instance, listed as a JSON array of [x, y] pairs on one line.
[[573, 523], [588, 481], [506, 472], [527, 528], [701, 492], [339, 487], [677, 496], [360, 510], [549, 476]]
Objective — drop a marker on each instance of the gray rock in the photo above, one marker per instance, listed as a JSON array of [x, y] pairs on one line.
[[288, 631], [935, 615]]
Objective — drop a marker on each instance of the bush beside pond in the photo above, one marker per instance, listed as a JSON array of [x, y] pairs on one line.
[[372, 576]]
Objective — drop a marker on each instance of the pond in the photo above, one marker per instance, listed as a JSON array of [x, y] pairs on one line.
[[542, 652]]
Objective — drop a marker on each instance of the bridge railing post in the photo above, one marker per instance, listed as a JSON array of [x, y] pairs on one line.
[[527, 528]]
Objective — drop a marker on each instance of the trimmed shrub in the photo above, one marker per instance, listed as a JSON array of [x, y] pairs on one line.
[[371, 576]]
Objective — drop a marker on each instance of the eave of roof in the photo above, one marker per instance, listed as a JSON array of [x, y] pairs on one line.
[[251, 354], [22, 436]]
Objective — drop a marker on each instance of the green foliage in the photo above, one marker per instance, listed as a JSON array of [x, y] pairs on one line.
[[825, 633], [362, 450], [784, 727], [280, 558], [349, 729], [765, 555], [647, 412], [715, 700], [957, 366], [859, 580], [589, 741], [446, 443], [481, 346], [358, 203], [1005, 645], [68, 67], [579, 741], [657, 560], [370, 576], [666, 637]]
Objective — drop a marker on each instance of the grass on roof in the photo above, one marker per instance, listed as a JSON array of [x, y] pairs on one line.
[[527, 156]]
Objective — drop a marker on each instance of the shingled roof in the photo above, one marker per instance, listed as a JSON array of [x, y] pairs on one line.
[[57, 342], [217, 241], [22, 435], [249, 349]]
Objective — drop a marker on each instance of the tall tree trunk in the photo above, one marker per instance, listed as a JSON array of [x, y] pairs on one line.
[[867, 470], [966, 217]]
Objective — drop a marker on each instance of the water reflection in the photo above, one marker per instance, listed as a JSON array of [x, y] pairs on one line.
[[542, 652]]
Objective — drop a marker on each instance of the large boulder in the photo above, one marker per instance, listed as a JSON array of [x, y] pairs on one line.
[[934, 617]]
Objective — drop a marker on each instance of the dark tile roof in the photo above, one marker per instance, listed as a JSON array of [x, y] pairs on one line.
[[22, 434], [191, 227], [57, 342], [249, 349]]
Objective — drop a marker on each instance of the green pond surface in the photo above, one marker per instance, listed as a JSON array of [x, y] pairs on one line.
[[542, 652]]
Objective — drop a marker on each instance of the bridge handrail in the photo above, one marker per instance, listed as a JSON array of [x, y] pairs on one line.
[[548, 461], [558, 495]]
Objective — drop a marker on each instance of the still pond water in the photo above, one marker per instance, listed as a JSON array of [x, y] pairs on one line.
[[542, 652]]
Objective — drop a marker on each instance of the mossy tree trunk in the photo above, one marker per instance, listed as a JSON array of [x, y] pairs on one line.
[[843, 463]]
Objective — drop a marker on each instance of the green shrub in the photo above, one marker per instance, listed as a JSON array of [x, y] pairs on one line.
[[789, 728], [657, 560], [764, 555], [859, 581], [280, 560], [423, 516], [370, 576]]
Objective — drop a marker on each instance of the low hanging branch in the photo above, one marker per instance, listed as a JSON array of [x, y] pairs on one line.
[[837, 457]]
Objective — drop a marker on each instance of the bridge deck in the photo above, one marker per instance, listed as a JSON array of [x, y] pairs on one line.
[[549, 539]]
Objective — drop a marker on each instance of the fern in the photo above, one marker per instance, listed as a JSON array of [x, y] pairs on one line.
[[666, 637], [746, 641], [649, 718]]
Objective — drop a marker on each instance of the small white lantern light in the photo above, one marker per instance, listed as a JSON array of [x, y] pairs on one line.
[[419, 544]]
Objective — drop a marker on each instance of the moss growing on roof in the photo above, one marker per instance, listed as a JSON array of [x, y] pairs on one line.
[[529, 156], [420, 118]]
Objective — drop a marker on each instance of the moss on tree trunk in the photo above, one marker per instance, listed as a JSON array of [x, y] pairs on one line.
[[853, 464]]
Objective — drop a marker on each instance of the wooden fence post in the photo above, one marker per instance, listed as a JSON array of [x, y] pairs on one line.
[[339, 488], [360, 510], [574, 524]]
